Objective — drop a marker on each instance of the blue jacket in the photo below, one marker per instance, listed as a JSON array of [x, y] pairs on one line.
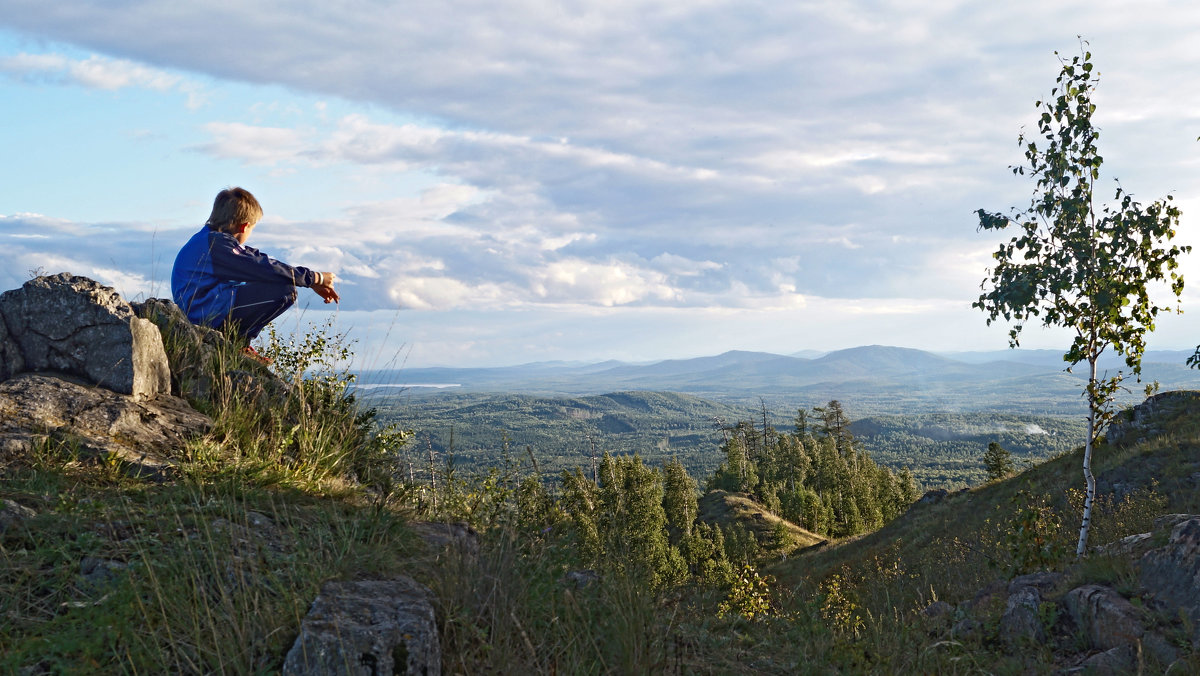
[[212, 265]]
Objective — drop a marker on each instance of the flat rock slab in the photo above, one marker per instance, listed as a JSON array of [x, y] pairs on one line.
[[368, 628], [140, 434]]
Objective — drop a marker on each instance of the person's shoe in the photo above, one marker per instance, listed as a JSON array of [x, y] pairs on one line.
[[252, 353]]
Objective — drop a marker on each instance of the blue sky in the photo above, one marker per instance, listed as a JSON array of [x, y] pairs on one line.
[[499, 183]]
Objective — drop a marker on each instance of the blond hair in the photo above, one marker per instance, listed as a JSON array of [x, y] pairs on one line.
[[233, 207]]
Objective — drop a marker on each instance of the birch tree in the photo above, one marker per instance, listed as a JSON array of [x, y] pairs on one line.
[[1075, 265]]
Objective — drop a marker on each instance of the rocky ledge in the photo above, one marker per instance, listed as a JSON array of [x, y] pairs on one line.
[[83, 371]]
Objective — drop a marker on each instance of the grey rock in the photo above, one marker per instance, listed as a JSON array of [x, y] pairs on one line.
[[1106, 618], [200, 357], [1021, 623], [1043, 581], [1183, 667], [14, 446], [1126, 546], [965, 628], [100, 574], [991, 596], [97, 423], [932, 497], [1159, 648], [11, 361], [368, 628], [193, 351], [1167, 522], [581, 578], [457, 538], [13, 513], [1172, 573], [938, 610], [1115, 661], [1144, 420], [77, 326]]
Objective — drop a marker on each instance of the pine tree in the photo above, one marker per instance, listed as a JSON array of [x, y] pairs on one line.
[[633, 525], [581, 502], [997, 461], [679, 500]]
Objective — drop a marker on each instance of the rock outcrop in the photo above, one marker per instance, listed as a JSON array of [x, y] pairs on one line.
[[194, 351], [74, 325], [94, 423], [1107, 619], [1095, 628], [81, 373], [368, 628], [1150, 417], [1172, 573], [1022, 619]]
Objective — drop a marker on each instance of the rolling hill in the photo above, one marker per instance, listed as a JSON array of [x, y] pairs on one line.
[[872, 379]]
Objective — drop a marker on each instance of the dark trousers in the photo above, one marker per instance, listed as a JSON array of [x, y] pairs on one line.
[[256, 304]]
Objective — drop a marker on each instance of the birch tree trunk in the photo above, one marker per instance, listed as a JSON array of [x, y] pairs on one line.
[[1087, 463]]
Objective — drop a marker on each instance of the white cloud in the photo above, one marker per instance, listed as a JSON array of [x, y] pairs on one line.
[[684, 267], [99, 72], [604, 284], [255, 144], [441, 293]]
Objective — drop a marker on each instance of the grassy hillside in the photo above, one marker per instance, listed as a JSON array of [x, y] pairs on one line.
[[953, 549], [212, 570], [738, 509]]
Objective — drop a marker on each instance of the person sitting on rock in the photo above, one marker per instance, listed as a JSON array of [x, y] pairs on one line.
[[219, 282]]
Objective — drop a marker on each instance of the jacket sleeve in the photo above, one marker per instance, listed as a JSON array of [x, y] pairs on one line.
[[236, 263]]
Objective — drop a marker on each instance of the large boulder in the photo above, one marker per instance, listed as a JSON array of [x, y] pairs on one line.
[[1105, 617], [1021, 622], [368, 627], [193, 351], [75, 325]]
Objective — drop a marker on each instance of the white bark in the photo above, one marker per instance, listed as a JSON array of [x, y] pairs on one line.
[[1081, 548]]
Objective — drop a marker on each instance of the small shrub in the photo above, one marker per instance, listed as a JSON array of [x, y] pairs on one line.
[[1033, 535], [1114, 519], [749, 596], [840, 605]]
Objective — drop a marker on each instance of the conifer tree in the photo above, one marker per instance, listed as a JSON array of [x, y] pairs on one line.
[[632, 522], [581, 501], [997, 461], [679, 500]]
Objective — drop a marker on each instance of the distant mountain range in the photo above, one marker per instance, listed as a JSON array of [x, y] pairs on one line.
[[869, 380]]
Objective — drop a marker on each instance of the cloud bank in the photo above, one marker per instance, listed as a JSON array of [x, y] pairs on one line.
[[641, 156]]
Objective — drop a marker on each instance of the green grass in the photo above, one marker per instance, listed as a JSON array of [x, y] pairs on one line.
[[205, 578]]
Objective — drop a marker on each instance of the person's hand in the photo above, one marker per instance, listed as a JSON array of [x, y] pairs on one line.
[[325, 288]]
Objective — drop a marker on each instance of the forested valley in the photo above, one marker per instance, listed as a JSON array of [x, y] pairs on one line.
[[941, 450]]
